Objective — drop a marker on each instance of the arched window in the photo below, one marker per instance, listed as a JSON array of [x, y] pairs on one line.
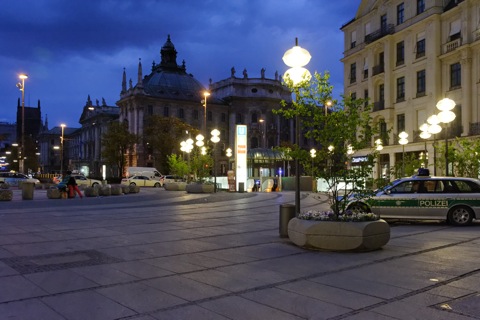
[[254, 117]]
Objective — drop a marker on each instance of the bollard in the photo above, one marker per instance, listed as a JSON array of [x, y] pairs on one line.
[[27, 190], [287, 212]]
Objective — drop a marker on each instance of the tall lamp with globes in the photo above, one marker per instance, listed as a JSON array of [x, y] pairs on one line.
[[446, 115], [434, 128], [296, 58], [403, 141]]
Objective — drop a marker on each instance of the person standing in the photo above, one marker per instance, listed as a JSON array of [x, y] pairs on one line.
[[72, 186]]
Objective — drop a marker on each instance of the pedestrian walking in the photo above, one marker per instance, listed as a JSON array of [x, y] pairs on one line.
[[72, 186]]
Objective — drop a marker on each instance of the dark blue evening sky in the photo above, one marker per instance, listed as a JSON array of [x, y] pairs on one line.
[[74, 48]]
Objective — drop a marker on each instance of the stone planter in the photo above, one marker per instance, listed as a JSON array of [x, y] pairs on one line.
[[339, 236], [175, 186], [105, 190], [199, 188], [54, 193], [125, 188], [116, 190], [134, 189], [6, 195], [91, 192]]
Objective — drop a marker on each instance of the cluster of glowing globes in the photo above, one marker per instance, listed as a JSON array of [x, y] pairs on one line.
[[187, 146]]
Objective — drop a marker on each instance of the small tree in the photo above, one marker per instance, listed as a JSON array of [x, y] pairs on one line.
[[201, 165], [346, 126], [116, 141], [177, 165]]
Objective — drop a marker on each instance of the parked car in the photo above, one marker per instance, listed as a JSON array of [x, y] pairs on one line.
[[454, 199], [14, 178], [84, 181], [142, 181]]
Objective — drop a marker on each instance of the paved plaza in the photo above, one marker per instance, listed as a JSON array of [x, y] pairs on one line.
[[170, 255]]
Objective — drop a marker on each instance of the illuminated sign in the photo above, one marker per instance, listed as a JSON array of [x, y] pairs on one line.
[[241, 156]]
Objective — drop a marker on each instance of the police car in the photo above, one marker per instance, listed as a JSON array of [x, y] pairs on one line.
[[423, 197]]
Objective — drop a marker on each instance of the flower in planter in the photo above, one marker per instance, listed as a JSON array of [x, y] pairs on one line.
[[346, 216]]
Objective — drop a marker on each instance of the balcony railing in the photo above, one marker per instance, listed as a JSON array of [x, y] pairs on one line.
[[378, 69], [452, 45], [380, 33], [379, 105]]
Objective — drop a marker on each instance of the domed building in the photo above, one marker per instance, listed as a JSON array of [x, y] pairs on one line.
[[170, 91]]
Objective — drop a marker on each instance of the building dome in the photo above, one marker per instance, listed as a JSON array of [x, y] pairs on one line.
[[171, 81]]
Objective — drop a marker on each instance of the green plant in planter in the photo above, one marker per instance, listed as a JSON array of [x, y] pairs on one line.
[[347, 216], [339, 128]]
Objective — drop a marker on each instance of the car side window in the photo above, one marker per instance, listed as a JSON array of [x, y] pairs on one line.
[[405, 187], [466, 186]]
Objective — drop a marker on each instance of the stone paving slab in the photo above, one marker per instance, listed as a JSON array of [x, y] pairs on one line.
[[171, 255]]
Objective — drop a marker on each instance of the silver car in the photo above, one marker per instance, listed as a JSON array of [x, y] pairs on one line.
[[454, 199]]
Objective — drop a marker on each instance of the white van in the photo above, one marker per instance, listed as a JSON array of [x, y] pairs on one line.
[[150, 172]]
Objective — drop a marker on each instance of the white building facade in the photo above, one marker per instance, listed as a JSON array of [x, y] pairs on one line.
[[405, 56]]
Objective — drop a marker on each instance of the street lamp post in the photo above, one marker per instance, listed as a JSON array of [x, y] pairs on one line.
[[425, 134], [215, 139], [446, 116], [378, 147], [403, 141], [264, 140], [61, 147], [313, 154], [296, 58], [21, 86], [434, 128], [205, 95]]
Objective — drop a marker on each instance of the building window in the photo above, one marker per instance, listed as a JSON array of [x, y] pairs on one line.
[[224, 117], [382, 128], [455, 30], [400, 122], [400, 13], [400, 53], [353, 73], [181, 113], [381, 92], [254, 142], [365, 96], [455, 75], [150, 110], [239, 118], [353, 95], [209, 115], [421, 83], [420, 6], [400, 89], [195, 114], [420, 48], [353, 39], [383, 23], [166, 111], [254, 117]]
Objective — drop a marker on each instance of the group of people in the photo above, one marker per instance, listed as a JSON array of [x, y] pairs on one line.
[[69, 185]]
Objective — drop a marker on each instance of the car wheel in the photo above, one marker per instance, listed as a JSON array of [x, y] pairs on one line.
[[94, 184], [460, 216], [358, 207], [133, 184], [157, 185]]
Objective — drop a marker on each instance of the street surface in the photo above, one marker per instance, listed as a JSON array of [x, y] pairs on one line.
[[171, 255]]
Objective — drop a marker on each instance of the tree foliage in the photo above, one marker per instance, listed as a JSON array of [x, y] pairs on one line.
[[346, 125], [116, 141], [177, 165], [162, 137]]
